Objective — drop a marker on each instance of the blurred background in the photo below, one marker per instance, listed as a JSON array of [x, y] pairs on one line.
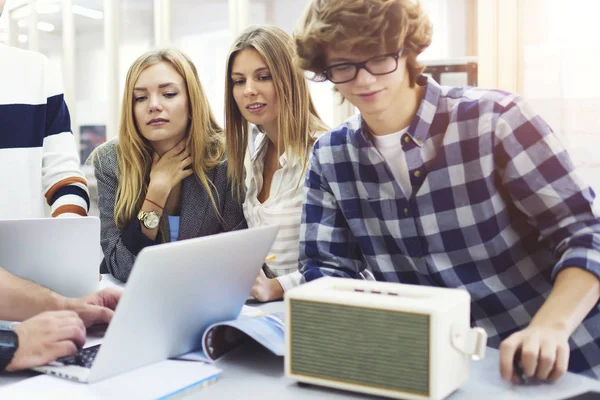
[[545, 50]]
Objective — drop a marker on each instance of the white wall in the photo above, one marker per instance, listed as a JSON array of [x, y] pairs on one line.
[[559, 54], [449, 29], [91, 68]]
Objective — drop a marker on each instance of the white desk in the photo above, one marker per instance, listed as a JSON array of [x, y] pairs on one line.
[[251, 372]]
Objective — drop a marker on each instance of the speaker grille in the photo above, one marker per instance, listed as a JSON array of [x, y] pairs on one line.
[[370, 347]]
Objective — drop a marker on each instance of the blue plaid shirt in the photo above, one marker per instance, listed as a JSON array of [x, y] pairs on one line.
[[497, 209]]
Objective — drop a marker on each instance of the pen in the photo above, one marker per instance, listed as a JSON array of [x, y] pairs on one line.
[[268, 273], [518, 369]]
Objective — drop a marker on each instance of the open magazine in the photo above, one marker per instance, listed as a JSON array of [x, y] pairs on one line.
[[222, 337]]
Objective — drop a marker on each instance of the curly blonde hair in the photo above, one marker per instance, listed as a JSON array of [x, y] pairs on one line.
[[365, 26]]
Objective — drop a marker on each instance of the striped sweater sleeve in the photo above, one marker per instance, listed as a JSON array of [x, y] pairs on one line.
[[64, 185]]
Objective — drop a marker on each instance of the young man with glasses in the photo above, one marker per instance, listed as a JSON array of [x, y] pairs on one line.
[[454, 187]]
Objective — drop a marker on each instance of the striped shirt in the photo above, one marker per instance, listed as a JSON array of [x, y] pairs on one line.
[[38, 156], [497, 208], [283, 208]]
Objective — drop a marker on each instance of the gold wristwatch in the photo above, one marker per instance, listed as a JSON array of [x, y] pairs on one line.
[[149, 219]]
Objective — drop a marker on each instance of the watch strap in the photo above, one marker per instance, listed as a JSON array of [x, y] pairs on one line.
[[9, 342]]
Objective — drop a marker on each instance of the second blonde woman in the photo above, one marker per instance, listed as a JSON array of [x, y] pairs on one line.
[[265, 89]]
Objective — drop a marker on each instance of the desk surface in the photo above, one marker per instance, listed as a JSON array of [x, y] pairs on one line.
[[251, 372]]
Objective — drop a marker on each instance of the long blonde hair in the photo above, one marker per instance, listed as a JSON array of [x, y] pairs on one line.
[[205, 138], [298, 119]]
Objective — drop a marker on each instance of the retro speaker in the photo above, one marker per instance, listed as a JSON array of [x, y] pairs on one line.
[[386, 339]]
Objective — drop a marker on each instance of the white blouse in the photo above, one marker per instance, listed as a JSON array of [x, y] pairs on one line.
[[283, 207]]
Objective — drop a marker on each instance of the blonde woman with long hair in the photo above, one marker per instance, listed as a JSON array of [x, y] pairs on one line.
[[165, 177], [265, 89]]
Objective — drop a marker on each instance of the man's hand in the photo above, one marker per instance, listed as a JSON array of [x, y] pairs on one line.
[[265, 289], [544, 353], [96, 308], [46, 337]]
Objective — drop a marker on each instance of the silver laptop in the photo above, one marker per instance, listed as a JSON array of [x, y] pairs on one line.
[[173, 293], [62, 254]]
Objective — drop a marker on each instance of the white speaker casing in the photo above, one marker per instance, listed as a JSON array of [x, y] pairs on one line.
[[320, 344]]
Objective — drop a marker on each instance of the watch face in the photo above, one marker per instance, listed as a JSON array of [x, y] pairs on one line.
[[151, 221]]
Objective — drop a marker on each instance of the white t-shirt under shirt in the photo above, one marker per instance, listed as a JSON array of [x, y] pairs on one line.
[[390, 147]]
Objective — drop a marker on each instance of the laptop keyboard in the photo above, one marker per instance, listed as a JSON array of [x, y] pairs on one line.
[[83, 358]]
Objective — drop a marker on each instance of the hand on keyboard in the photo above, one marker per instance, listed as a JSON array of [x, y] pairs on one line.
[[83, 358], [46, 337]]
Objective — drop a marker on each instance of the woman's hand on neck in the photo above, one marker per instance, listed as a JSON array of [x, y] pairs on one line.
[[163, 146], [169, 170]]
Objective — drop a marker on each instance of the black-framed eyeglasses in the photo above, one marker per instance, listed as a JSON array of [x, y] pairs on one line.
[[379, 65]]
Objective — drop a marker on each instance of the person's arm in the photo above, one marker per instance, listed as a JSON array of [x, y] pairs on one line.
[[41, 339], [51, 334], [271, 289], [268, 289], [287, 282], [22, 299], [327, 246], [167, 172], [542, 182], [544, 343], [64, 185], [119, 248]]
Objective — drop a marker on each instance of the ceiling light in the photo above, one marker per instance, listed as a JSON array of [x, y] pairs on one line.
[[45, 26], [20, 13], [42, 26], [87, 12]]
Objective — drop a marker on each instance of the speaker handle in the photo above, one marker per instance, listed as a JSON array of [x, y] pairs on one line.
[[470, 341]]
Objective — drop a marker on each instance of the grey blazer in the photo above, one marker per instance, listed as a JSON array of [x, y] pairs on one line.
[[197, 218]]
